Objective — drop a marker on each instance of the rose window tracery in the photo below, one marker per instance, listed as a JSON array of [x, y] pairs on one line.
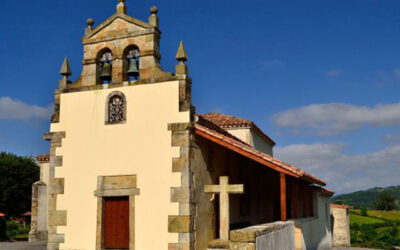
[[116, 112]]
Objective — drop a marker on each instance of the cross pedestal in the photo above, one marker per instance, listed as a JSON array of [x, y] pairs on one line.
[[224, 189]]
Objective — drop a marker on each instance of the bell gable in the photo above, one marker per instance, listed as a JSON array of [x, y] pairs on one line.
[[117, 25]]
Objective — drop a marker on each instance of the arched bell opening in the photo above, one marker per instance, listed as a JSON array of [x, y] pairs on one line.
[[131, 64], [104, 66]]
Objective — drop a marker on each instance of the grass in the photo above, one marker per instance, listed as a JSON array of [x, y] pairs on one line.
[[17, 231], [374, 230], [386, 215], [355, 218]]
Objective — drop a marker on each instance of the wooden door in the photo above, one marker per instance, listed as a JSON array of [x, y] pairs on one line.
[[116, 223]]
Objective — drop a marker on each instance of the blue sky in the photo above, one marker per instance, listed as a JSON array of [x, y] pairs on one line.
[[320, 77]]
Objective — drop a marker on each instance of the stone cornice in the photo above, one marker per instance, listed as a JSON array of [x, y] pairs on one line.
[[72, 89]]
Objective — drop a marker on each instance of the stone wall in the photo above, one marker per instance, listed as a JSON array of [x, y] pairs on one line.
[[282, 239], [277, 236], [39, 208], [341, 225]]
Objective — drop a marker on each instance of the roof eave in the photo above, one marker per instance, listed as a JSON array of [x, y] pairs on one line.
[[219, 140]]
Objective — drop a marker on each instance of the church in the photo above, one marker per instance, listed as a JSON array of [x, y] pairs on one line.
[[131, 165]]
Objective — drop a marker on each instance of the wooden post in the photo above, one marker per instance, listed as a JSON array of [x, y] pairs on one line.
[[295, 201], [224, 189], [304, 200], [283, 197], [311, 200]]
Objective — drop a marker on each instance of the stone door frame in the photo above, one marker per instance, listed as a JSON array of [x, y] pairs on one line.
[[115, 186]]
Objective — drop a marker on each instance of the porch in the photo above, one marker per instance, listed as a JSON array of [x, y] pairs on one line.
[[278, 200]]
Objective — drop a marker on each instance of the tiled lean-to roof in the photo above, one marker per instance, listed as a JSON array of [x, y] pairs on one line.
[[43, 158], [206, 128], [340, 206], [228, 121]]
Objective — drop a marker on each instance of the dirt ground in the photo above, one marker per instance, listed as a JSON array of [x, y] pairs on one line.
[[42, 246], [23, 245], [351, 248]]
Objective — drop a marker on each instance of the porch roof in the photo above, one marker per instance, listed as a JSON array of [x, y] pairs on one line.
[[340, 206], [43, 158], [214, 133]]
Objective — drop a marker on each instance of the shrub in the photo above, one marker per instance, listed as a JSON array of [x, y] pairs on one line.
[[12, 225], [364, 211]]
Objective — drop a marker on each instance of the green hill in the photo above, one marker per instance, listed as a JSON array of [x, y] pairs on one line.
[[367, 197]]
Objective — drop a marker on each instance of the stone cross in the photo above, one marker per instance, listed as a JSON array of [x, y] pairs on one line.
[[224, 189]]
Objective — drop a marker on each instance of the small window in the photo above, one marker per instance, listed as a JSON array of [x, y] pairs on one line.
[[116, 108]]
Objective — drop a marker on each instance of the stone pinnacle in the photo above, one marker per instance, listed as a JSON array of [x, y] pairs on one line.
[[65, 69], [181, 55]]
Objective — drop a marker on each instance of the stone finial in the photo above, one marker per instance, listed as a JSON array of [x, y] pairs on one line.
[[90, 22], [181, 54], [89, 28], [153, 19], [121, 7], [65, 68], [154, 10]]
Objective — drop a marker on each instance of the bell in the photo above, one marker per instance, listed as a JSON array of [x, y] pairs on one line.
[[106, 72], [133, 69]]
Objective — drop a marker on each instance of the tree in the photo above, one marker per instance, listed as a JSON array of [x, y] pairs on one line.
[[385, 202], [17, 174], [364, 211]]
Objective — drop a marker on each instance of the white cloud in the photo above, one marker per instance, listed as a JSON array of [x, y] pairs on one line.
[[333, 73], [343, 172], [335, 118], [11, 109], [392, 138]]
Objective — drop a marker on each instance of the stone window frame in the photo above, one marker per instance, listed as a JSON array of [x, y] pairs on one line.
[[107, 118], [115, 186]]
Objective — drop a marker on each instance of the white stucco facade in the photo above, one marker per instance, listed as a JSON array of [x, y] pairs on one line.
[[314, 233], [141, 146], [253, 138]]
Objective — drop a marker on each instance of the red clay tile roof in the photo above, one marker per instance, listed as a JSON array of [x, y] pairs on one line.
[[209, 124], [239, 146], [227, 121], [43, 158], [340, 206], [325, 192]]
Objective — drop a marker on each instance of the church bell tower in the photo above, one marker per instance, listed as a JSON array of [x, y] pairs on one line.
[[120, 143]]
